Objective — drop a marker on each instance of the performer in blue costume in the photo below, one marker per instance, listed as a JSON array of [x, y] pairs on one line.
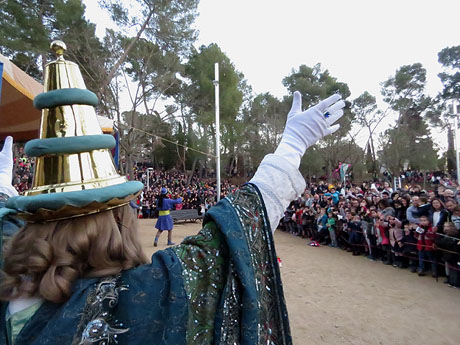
[[165, 221], [76, 274]]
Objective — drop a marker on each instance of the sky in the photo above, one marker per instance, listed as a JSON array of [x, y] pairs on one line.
[[360, 42]]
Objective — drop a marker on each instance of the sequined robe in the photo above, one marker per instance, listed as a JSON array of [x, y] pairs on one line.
[[221, 286]]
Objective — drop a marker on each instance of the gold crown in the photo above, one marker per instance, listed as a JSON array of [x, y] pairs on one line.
[[61, 172], [75, 173]]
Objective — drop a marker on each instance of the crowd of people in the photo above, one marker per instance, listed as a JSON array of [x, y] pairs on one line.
[[23, 171], [407, 228], [198, 193]]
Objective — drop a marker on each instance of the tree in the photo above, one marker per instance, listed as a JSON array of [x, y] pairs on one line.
[[154, 71], [370, 161], [410, 139], [315, 84], [131, 147], [410, 143], [449, 58], [28, 26], [142, 135], [405, 92], [264, 124], [368, 116], [312, 162], [200, 97], [450, 153], [152, 38], [166, 23], [440, 117]]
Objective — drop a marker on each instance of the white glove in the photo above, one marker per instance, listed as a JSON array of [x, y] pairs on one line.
[[303, 129], [6, 168]]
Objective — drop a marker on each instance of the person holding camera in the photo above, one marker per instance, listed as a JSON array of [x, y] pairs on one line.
[[425, 240]]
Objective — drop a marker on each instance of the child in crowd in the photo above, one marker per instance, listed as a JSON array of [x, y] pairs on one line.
[[331, 225], [395, 235], [356, 232], [382, 238], [334, 194], [425, 240], [449, 244], [308, 222], [456, 217], [321, 221], [288, 224], [343, 238], [369, 230], [298, 220], [408, 246]]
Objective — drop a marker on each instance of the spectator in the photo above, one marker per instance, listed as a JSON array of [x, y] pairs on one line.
[[395, 235], [451, 253], [417, 209], [400, 210], [382, 239], [323, 231], [334, 194], [425, 240], [437, 214], [298, 220], [409, 246], [355, 230], [450, 205], [331, 225], [456, 217]]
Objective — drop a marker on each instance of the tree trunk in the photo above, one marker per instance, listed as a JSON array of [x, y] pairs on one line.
[[125, 53], [129, 166], [374, 160], [200, 174], [189, 178], [451, 161]]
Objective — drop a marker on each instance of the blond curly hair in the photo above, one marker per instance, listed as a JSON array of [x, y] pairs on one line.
[[45, 259]]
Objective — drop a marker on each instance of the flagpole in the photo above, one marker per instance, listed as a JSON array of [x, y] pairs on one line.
[[216, 88], [454, 108]]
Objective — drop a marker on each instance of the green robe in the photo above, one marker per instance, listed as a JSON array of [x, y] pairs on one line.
[[221, 286]]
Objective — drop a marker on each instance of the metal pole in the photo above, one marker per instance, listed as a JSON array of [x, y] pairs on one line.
[[456, 141], [216, 88], [148, 179]]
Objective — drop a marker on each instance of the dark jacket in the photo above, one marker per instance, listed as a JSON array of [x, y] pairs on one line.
[[442, 218], [449, 248], [400, 213], [409, 243]]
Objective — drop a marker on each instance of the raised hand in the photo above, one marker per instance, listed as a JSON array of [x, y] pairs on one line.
[[305, 128], [6, 167]]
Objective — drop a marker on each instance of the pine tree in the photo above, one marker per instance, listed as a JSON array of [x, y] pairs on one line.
[[28, 26]]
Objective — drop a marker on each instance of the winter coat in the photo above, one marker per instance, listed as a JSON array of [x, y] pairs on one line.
[[449, 248], [425, 241], [442, 218]]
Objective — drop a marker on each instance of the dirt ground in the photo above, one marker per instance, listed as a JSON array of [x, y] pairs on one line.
[[335, 298]]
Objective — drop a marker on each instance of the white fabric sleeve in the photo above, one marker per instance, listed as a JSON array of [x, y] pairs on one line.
[[8, 189], [279, 182], [6, 168]]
